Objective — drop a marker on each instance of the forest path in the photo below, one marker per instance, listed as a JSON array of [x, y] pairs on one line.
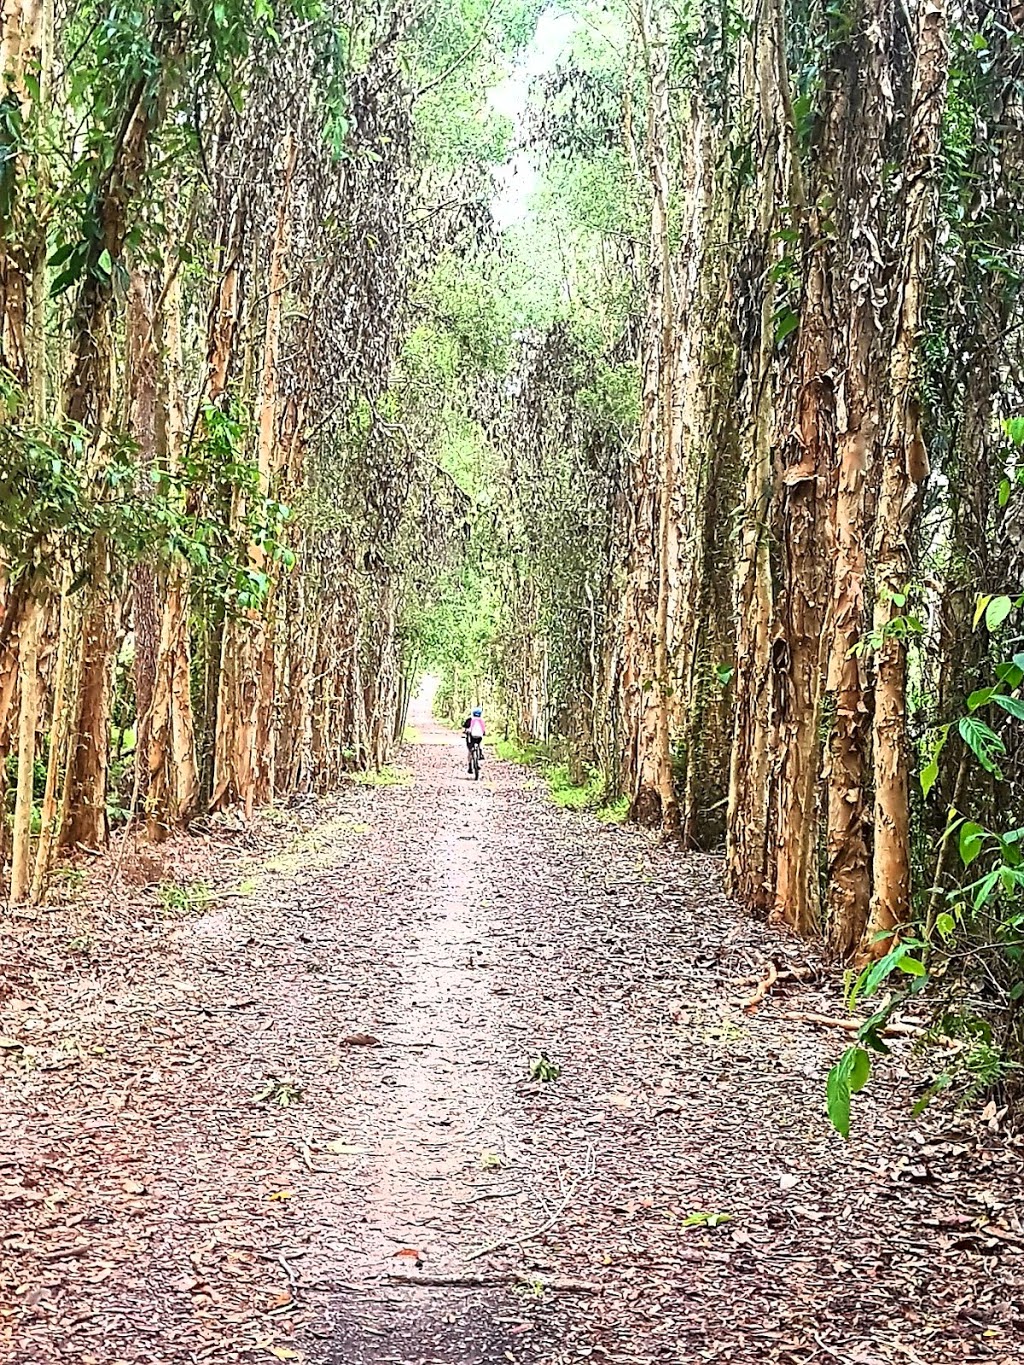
[[397, 958]]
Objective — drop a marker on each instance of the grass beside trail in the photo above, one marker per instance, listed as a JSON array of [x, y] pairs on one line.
[[592, 796], [383, 777]]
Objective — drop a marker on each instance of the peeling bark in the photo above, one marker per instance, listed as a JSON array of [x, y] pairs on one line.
[[900, 476]]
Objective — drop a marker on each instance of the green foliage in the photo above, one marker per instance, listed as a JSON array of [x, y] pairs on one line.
[[55, 503], [382, 777], [980, 928], [513, 751], [847, 1077], [542, 1068], [180, 901], [283, 1092]]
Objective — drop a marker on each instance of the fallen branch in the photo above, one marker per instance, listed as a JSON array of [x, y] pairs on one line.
[[852, 1025], [765, 984], [772, 975], [558, 1283]]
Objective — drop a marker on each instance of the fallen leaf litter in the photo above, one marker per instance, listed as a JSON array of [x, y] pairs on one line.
[[306, 1122]]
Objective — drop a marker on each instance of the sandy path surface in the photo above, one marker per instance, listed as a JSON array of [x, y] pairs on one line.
[[383, 968]]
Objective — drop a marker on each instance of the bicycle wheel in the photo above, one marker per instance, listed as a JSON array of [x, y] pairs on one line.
[[475, 760]]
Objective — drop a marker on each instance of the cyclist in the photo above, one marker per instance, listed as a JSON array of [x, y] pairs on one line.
[[474, 729]]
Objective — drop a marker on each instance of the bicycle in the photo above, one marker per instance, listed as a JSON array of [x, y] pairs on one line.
[[475, 754]]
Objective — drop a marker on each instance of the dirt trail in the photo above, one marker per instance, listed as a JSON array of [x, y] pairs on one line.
[[392, 960]]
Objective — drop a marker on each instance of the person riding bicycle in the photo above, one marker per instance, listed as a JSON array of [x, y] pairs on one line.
[[474, 729]]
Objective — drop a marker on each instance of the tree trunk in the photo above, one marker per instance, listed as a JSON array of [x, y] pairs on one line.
[[806, 477], [142, 381], [749, 870], [30, 685], [861, 113], [903, 468], [646, 674], [63, 690], [171, 770], [88, 397], [245, 732]]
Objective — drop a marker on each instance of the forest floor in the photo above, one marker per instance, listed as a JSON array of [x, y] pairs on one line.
[[390, 961]]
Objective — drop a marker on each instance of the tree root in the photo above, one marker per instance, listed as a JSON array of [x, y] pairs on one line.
[[768, 979], [852, 1025]]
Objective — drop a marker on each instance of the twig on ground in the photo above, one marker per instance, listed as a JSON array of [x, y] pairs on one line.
[[293, 1283], [767, 981], [489, 1194], [557, 1283], [852, 1025], [546, 1226], [304, 1151]]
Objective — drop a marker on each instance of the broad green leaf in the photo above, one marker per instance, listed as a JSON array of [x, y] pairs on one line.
[[785, 322], [930, 771], [983, 742], [837, 1091], [912, 966], [1013, 705], [980, 697], [1014, 428], [1010, 673], [972, 838], [859, 1069], [997, 611], [62, 254], [980, 608], [945, 923], [1004, 492], [985, 888], [929, 775]]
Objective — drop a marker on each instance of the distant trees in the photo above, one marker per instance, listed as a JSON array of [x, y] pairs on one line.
[[214, 518], [805, 243]]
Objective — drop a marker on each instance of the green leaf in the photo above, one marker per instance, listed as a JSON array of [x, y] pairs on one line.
[[980, 697], [930, 771], [997, 611], [983, 742], [979, 608], [929, 775], [984, 888], [1014, 428], [940, 1083], [912, 966], [62, 254], [1012, 674], [837, 1092], [786, 321], [849, 1076], [945, 923], [972, 839], [860, 1069], [1004, 492], [104, 265], [1013, 705]]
